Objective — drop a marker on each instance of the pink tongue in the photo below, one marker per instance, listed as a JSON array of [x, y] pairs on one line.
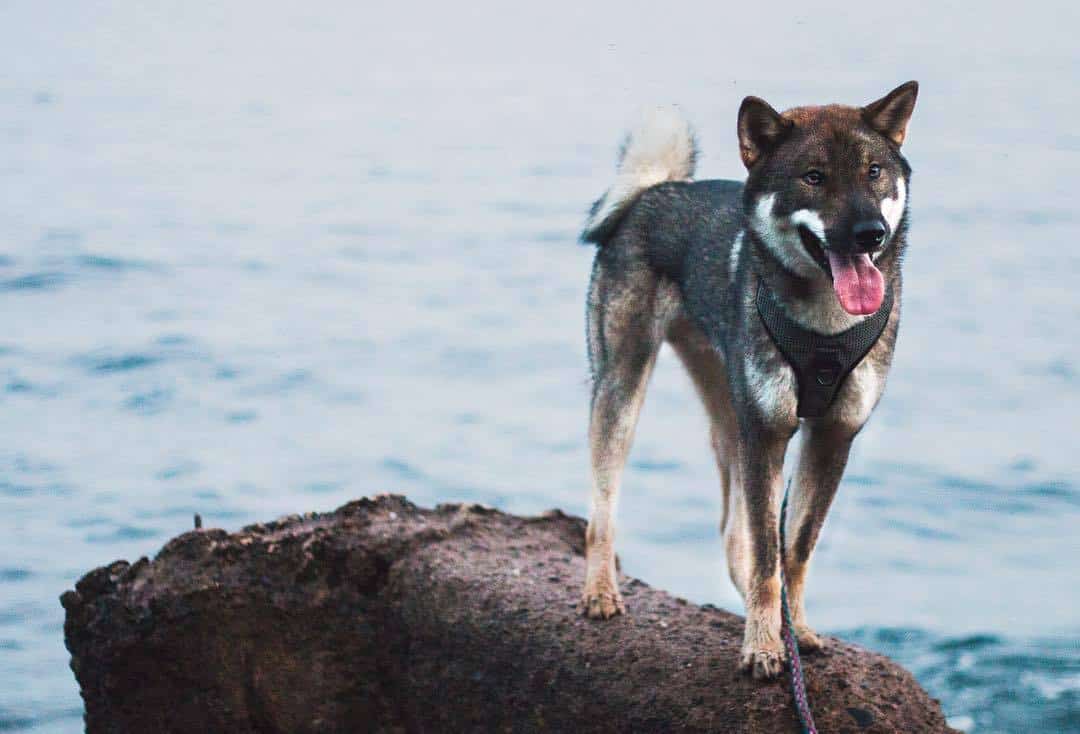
[[859, 285]]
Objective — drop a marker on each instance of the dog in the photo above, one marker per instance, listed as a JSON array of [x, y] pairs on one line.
[[752, 284]]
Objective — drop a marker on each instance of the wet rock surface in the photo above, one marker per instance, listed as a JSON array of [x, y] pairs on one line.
[[386, 617]]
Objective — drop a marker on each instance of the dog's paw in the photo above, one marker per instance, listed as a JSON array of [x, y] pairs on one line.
[[602, 604], [809, 641], [762, 664]]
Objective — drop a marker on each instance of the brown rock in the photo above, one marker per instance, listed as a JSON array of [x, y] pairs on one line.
[[384, 617]]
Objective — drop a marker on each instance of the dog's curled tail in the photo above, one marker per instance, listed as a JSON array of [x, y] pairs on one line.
[[661, 148]]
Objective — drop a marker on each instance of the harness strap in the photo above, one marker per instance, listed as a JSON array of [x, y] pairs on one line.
[[821, 362]]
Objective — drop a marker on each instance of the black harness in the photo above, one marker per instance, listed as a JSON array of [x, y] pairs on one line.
[[821, 362]]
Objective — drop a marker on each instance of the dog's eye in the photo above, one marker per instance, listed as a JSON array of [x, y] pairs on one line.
[[874, 171], [814, 178]]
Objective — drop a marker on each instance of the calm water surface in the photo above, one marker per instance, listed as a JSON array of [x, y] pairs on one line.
[[257, 261]]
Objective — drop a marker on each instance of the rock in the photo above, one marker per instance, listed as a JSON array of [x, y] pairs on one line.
[[385, 617]]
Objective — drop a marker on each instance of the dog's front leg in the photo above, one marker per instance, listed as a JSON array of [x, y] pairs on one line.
[[761, 466], [823, 454]]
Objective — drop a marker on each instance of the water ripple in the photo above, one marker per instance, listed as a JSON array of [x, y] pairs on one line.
[[988, 682], [33, 282]]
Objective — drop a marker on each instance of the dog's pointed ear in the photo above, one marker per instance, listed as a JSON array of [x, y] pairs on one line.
[[890, 114], [761, 128]]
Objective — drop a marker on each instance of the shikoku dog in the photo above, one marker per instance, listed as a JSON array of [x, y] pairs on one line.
[[818, 231]]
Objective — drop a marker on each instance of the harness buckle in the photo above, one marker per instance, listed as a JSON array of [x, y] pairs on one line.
[[825, 366]]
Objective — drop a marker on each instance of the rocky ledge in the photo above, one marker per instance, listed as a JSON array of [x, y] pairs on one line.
[[386, 617]]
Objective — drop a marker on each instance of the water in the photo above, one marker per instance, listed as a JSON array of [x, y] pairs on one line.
[[258, 261]]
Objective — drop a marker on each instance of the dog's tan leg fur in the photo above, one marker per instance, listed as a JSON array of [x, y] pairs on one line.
[[756, 520], [710, 378], [823, 454], [625, 319], [611, 432], [709, 375]]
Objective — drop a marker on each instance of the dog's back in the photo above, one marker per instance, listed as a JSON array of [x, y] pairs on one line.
[[654, 200], [685, 232]]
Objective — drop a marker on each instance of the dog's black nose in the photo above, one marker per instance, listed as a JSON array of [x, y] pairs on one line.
[[869, 235]]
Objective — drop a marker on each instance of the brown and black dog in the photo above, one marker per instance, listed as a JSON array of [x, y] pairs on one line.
[[818, 230]]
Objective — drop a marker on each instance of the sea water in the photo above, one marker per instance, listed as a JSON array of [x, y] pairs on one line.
[[258, 260]]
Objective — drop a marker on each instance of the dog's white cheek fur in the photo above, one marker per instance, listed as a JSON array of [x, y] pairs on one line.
[[811, 220], [783, 239], [893, 208]]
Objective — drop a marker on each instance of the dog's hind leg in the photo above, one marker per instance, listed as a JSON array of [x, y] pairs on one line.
[[707, 370], [710, 377], [823, 454], [623, 343]]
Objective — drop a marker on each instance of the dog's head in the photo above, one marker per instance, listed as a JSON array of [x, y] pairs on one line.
[[827, 190]]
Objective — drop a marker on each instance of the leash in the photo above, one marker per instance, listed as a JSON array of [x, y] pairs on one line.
[[787, 632]]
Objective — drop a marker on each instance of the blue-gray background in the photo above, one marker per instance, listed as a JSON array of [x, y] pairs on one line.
[[258, 260]]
